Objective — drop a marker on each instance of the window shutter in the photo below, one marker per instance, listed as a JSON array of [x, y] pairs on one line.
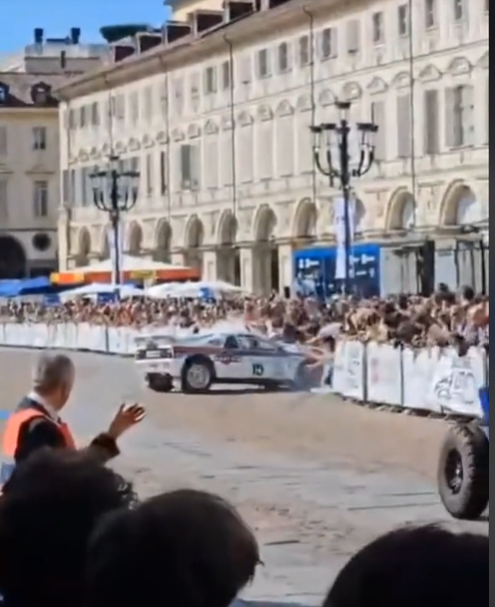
[[211, 161], [305, 162], [468, 122], [379, 118], [450, 118], [431, 123], [264, 145], [404, 126], [246, 153], [195, 166], [163, 173], [285, 145], [185, 165], [226, 158]]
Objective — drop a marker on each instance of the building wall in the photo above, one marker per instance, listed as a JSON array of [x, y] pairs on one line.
[[182, 9], [247, 177], [21, 168]]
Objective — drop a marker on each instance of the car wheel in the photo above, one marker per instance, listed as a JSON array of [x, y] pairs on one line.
[[197, 375], [160, 383], [463, 482]]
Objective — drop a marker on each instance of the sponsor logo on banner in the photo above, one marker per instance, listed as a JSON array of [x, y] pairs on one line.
[[455, 387]]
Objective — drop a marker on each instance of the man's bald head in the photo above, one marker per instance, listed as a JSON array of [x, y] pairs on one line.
[[53, 378]]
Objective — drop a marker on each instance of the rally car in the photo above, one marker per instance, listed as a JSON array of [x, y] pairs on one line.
[[196, 362]]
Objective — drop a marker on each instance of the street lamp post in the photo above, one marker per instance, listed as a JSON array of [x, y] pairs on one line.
[[324, 135], [115, 192]]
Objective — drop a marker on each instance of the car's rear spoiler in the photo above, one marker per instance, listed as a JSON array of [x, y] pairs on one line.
[[158, 339]]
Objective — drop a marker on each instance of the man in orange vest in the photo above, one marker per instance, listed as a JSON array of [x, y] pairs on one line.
[[36, 422]]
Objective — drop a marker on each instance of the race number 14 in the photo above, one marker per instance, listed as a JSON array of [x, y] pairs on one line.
[[258, 370]]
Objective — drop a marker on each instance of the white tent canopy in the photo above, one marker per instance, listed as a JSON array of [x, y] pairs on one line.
[[193, 290], [94, 289], [129, 264]]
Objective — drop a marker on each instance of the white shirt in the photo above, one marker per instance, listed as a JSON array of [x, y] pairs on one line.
[[46, 406]]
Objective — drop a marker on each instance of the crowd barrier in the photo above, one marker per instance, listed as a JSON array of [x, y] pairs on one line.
[[435, 381]]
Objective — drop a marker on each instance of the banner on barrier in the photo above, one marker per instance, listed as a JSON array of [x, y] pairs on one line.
[[432, 379]]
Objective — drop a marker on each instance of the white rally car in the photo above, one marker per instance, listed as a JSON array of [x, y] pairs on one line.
[[196, 362]]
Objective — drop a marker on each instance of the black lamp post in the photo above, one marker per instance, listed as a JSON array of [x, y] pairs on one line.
[[324, 135], [115, 192]]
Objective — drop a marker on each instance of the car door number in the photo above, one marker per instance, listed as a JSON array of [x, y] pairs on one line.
[[258, 370]]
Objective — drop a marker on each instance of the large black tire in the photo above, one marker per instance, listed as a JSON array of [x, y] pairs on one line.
[[463, 482], [197, 375], [160, 383]]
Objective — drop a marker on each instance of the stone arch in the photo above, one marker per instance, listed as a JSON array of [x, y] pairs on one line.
[[194, 233], [264, 224], [227, 229], [135, 238], [163, 241], [304, 219], [13, 258], [459, 205], [400, 210]]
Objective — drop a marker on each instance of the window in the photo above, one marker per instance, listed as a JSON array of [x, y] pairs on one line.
[[329, 43], [40, 199], [4, 203], [430, 13], [403, 20], [95, 114], [39, 138], [245, 69], [378, 33], [283, 57], [431, 123], [39, 94], [3, 141], [304, 51], [82, 117], [459, 105], [210, 80], [163, 173], [189, 166], [149, 175], [263, 63], [459, 10], [352, 37], [226, 76]]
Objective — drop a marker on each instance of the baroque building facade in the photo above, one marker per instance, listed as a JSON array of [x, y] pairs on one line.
[[215, 115]]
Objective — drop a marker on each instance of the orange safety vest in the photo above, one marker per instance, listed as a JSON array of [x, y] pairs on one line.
[[11, 437]]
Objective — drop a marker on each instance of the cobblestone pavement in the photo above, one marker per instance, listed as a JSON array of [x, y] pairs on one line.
[[316, 477]]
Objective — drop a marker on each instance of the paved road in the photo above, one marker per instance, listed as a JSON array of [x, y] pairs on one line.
[[316, 477]]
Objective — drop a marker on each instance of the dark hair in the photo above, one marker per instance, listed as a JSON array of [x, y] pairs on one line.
[[425, 566], [48, 510], [186, 547], [468, 293]]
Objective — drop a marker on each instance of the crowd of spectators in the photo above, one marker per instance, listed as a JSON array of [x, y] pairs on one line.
[[73, 533], [444, 319]]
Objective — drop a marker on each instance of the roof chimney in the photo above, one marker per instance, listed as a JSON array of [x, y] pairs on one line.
[[38, 35], [75, 35]]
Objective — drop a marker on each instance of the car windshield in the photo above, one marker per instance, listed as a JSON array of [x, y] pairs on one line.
[[251, 342]]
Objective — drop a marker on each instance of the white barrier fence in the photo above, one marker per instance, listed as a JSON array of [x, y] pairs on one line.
[[433, 380]]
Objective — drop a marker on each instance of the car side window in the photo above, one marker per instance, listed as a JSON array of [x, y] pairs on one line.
[[231, 343]]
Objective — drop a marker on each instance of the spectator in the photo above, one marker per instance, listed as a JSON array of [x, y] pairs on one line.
[[415, 567], [48, 510], [185, 548]]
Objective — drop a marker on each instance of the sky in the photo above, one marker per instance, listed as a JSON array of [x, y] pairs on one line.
[[56, 17]]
